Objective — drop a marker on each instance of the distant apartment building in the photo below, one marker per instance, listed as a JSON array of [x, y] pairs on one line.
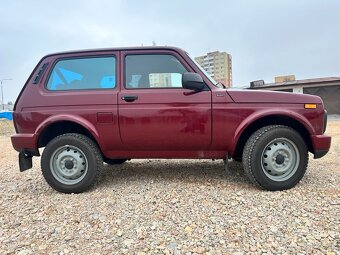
[[218, 65], [159, 80]]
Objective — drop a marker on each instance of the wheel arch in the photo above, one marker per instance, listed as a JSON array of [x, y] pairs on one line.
[[250, 125], [58, 125]]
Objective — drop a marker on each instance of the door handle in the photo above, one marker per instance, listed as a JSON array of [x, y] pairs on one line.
[[129, 98]]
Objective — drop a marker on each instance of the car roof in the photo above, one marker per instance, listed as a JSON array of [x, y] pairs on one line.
[[118, 49]]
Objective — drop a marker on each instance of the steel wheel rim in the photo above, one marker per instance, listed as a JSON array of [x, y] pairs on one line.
[[280, 159], [68, 164]]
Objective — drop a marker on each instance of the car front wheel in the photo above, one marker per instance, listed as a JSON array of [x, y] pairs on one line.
[[275, 157]]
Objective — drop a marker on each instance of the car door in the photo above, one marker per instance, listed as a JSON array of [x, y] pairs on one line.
[[155, 112]]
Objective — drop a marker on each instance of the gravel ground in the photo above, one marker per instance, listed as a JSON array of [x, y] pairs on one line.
[[6, 127], [171, 207]]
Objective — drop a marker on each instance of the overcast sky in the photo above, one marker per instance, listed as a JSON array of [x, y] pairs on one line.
[[266, 38]]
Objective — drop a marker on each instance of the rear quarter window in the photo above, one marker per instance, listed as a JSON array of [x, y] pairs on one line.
[[83, 73]]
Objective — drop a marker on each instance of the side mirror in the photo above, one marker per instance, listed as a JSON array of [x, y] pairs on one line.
[[192, 81]]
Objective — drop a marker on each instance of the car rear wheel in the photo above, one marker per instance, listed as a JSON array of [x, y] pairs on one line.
[[71, 163], [275, 157]]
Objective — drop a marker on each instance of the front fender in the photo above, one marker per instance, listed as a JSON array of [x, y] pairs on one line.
[[256, 116]]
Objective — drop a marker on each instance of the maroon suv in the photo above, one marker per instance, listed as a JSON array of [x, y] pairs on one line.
[[111, 105]]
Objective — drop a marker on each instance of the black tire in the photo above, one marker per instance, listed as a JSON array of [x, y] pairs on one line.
[[118, 161], [255, 153], [88, 150]]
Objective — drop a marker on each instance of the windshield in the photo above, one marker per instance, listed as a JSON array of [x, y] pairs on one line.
[[203, 71]]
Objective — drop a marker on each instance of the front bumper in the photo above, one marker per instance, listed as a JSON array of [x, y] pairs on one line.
[[321, 145]]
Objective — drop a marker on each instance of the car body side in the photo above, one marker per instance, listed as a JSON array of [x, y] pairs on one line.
[[179, 123]]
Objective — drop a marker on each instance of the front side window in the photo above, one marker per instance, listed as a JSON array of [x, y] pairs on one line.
[[153, 71], [83, 73]]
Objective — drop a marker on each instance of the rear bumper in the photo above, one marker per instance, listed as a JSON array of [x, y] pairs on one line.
[[25, 143], [321, 145]]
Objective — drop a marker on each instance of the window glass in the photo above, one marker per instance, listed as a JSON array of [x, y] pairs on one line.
[[83, 73], [153, 71]]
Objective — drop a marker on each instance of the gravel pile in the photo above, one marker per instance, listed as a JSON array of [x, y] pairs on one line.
[[171, 207]]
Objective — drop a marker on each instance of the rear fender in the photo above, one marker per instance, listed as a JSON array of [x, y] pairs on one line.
[[72, 118]]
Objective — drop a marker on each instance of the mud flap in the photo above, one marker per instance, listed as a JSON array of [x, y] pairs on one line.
[[25, 161]]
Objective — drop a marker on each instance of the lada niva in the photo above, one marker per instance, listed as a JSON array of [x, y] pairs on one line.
[[86, 107]]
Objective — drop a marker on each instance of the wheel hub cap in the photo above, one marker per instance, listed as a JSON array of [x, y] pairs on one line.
[[280, 159], [68, 164]]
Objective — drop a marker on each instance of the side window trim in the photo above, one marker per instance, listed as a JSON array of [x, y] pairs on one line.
[[57, 60], [185, 66]]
